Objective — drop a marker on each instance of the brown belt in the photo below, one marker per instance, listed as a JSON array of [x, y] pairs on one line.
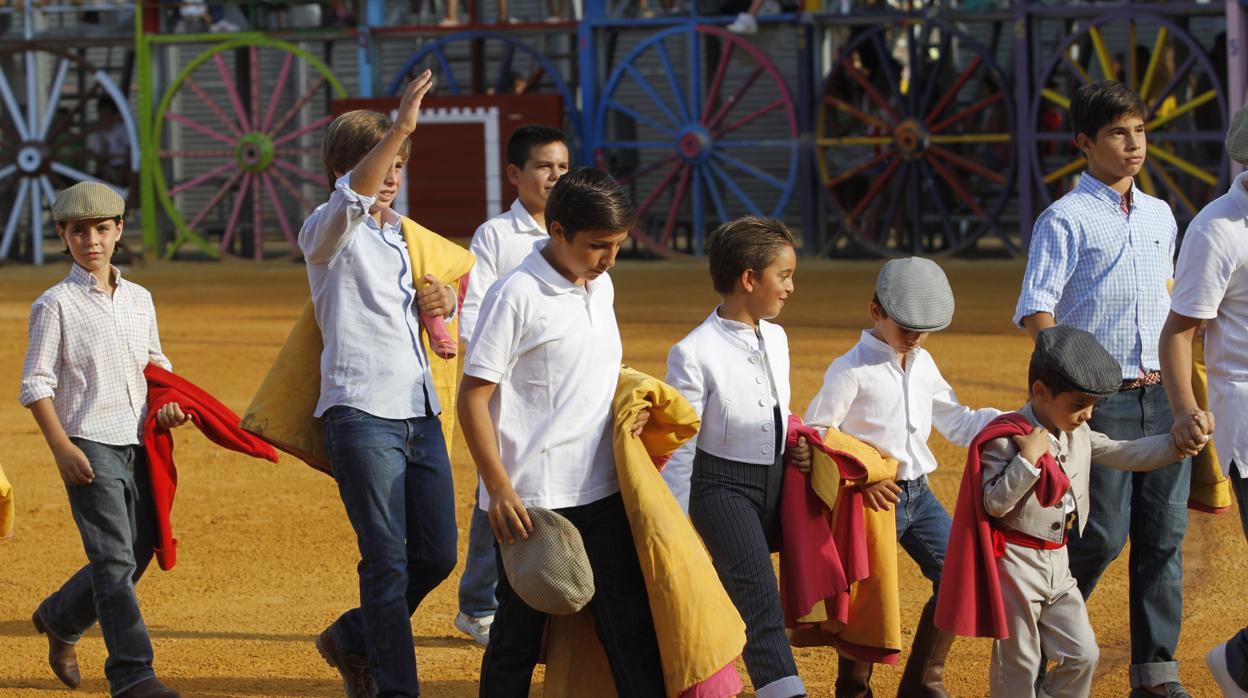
[[1146, 378]]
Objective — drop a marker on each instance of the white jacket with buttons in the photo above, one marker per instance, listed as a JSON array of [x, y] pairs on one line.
[[734, 381]]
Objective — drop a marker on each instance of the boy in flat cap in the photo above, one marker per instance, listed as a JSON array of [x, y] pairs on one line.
[[1211, 285], [887, 391], [91, 337], [1026, 482]]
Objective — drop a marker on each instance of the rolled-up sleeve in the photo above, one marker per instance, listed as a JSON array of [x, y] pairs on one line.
[[43, 355], [1051, 262], [329, 229]]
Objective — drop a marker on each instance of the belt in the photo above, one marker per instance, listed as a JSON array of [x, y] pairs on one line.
[[1001, 536], [1146, 378]]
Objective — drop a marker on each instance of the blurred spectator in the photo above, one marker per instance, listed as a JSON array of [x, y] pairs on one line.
[[109, 144], [666, 7], [746, 22]]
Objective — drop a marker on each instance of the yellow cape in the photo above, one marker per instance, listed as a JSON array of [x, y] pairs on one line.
[[281, 411], [698, 627], [7, 509]]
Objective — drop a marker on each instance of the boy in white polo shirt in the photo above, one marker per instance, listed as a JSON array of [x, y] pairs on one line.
[[537, 156], [1211, 285], [535, 405]]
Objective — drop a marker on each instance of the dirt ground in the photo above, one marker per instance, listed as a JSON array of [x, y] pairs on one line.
[[267, 558]]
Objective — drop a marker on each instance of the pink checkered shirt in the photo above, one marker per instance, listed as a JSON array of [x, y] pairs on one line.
[[87, 352]]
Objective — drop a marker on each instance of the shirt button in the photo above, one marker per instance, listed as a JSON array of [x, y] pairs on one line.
[[753, 358], [767, 426], [1062, 458], [762, 402], [758, 379], [766, 450], [1057, 526]]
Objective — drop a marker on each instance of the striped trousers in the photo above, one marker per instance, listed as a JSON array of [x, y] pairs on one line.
[[736, 509]]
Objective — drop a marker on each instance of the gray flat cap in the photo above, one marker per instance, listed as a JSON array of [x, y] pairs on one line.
[[1079, 358], [88, 201], [549, 570], [915, 293], [1237, 136]]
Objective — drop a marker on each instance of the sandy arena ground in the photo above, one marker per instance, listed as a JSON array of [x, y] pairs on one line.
[[267, 557]]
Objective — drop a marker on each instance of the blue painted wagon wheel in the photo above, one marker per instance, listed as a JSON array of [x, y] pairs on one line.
[[486, 62], [915, 139], [1186, 122], [52, 136], [697, 152]]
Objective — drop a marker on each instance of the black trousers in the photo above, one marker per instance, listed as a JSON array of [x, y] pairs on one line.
[[621, 610]]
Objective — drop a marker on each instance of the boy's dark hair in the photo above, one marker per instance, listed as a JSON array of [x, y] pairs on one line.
[[589, 199], [1039, 370], [747, 243], [1099, 104], [349, 138], [524, 139]]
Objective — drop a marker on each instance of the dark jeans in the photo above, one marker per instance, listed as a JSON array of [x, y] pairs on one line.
[[1237, 647], [115, 517], [1150, 508], [394, 478], [923, 528], [736, 509], [621, 610]]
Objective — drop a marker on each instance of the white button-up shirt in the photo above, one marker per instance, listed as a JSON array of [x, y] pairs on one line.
[[361, 279], [734, 376], [868, 395], [553, 349], [1211, 283], [88, 351], [500, 245]]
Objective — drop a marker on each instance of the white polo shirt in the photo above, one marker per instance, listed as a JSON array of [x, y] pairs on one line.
[[1211, 283], [554, 350], [500, 245]]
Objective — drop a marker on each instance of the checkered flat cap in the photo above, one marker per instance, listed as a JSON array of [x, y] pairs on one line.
[[1079, 358], [88, 201], [549, 570], [1237, 136], [915, 293]]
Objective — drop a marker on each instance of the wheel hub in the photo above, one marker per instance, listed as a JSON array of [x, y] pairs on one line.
[[695, 144], [255, 152], [30, 158], [912, 140]]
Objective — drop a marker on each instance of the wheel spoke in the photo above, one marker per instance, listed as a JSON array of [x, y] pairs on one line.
[[32, 97], [641, 172], [15, 215], [674, 209], [973, 109], [49, 192], [1172, 186], [199, 153], [650, 92], [748, 169], [1170, 86], [1102, 54], [734, 188], [501, 82], [278, 87], [1055, 97], [7, 171], [886, 65], [15, 113], [290, 188], [976, 138], [842, 105], [232, 91], [712, 123], [447, 73], [200, 179], [196, 126], [257, 218], [946, 222], [279, 211], [958, 190], [866, 85], [952, 92], [36, 218], [654, 193], [721, 69], [946, 41], [856, 140], [1133, 69], [638, 145], [712, 190], [295, 169], [1194, 103], [1069, 168], [216, 199], [1154, 60], [294, 108], [970, 165], [67, 171], [54, 95], [873, 190], [1069, 59], [213, 106], [859, 168], [752, 116], [1146, 182], [642, 118], [670, 72], [235, 210], [254, 61], [1166, 155], [63, 123], [319, 123]]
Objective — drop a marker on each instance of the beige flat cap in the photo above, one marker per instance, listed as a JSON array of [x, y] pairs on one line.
[[1237, 136], [86, 201], [549, 570]]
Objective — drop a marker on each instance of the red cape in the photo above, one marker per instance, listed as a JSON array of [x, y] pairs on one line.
[[214, 419], [969, 601]]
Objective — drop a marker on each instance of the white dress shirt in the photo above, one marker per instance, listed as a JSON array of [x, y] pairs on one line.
[[88, 351], [365, 301], [1211, 283], [553, 349], [500, 245], [867, 395], [735, 376]]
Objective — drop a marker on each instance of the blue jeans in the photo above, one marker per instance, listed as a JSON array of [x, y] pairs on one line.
[[1237, 647], [476, 587], [394, 478], [923, 528], [115, 518], [1150, 508]]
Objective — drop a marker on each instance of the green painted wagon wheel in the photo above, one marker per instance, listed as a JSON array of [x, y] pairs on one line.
[[245, 152]]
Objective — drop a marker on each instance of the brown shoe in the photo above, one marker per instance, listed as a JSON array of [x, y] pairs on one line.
[[853, 679], [150, 688], [924, 676], [62, 656], [357, 678]]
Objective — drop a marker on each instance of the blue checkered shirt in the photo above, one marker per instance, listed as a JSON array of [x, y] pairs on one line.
[[1103, 271]]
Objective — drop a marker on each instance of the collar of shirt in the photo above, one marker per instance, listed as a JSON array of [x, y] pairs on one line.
[[743, 335], [524, 220], [878, 346], [391, 222], [542, 269], [87, 280], [1095, 187], [1060, 440]]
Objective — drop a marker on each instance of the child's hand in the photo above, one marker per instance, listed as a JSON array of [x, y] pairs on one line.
[[799, 455], [435, 298], [74, 466], [507, 514], [1033, 446], [882, 495], [409, 107], [1190, 433], [170, 416], [639, 423]]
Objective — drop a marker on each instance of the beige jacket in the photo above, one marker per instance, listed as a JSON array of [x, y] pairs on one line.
[[1009, 479]]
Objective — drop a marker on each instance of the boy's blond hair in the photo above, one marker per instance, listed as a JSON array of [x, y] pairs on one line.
[[349, 138]]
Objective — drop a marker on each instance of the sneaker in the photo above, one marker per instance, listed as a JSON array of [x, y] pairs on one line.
[[1216, 660], [478, 628], [743, 24], [1173, 690], [357, 678]]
